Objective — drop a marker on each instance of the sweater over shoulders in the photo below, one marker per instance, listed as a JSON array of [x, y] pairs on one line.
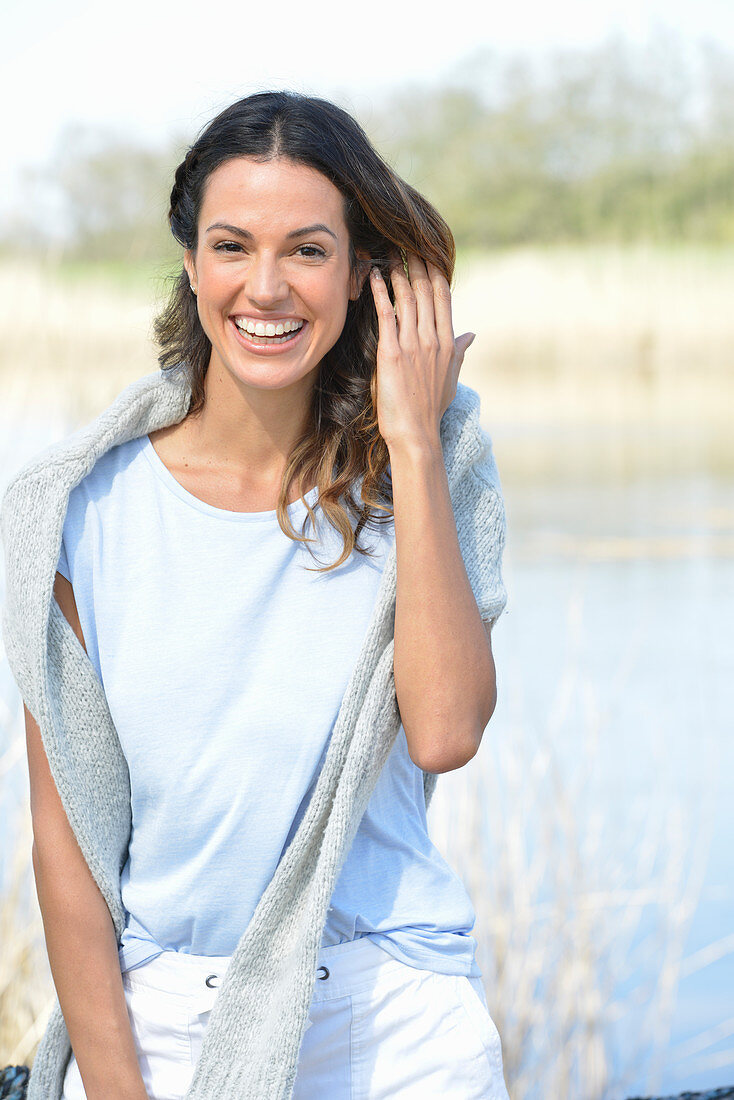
[[253, 1037]]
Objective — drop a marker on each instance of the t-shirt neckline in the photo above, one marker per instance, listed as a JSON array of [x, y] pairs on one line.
[[295, 510]]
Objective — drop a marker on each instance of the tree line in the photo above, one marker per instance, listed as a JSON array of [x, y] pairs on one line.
[[615, 142]]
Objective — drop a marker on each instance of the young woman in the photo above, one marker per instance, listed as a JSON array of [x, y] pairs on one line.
[[312, 317]]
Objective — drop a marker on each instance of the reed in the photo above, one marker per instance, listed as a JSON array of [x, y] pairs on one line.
[[595, 334], [580, 929]]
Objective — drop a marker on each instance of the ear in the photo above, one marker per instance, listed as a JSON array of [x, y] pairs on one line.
[[356, 282], [189, 265]]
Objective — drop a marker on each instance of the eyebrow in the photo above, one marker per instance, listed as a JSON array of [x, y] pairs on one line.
[[304, 231]]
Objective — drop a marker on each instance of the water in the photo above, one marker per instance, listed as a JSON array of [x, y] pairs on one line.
[[629, 580]]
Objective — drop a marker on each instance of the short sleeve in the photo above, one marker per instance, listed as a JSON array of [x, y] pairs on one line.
[[70, 533], [62, 565]]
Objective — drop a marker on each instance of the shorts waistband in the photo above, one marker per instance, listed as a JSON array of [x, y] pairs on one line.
[[341, 969]]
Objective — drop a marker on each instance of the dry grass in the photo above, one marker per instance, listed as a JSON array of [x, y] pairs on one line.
[[600, 335], [564, 336], [575, 901], [70, 344]]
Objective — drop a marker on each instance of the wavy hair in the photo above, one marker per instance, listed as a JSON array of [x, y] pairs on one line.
[[383, 214]]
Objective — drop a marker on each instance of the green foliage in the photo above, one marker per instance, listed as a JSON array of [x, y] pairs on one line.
[[604, 144], [613, 144], [109, 194]]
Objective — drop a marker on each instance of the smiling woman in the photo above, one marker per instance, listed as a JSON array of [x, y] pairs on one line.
[[282, 206], [247, 745], [252, 282]]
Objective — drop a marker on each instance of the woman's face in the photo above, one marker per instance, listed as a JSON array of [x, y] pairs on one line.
[[273, 250]]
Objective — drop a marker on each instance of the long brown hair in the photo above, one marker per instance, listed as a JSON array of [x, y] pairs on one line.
[[383, 214]]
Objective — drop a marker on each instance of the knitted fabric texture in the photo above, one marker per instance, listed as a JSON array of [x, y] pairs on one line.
[[252, 1041]]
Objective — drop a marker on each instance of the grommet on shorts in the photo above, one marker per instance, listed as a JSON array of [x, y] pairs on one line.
[[208, 981], [323, 977]]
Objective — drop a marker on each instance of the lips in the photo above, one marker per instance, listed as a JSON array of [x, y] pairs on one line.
[[268, 345]]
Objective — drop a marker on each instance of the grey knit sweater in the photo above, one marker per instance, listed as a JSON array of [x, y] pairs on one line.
[[252, 1041]]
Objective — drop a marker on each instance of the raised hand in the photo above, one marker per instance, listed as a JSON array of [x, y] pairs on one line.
[[418, 359]]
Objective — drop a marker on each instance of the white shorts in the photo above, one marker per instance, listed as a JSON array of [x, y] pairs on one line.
[[377, 1028]]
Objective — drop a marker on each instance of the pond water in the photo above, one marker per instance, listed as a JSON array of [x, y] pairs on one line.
[[617, 646]]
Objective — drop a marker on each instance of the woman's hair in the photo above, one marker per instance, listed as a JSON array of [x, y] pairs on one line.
[[383, 213]]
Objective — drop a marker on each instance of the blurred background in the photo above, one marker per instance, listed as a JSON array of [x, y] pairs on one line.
[[584, 158]]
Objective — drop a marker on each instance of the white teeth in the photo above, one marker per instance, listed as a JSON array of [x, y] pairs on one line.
[[262, 328]]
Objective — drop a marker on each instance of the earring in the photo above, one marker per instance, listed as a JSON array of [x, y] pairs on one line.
[[193, 288]]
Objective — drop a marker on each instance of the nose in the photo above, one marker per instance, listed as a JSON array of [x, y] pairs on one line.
[[265, 283]]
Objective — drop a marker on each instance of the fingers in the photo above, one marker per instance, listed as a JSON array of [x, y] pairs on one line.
[[462, 345], [422, 296], [422, 310], [388, 332], [413, 302], [406, 306], [422, 303], [442, 306]]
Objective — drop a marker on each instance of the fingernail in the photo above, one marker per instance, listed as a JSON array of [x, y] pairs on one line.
[[473, 338]]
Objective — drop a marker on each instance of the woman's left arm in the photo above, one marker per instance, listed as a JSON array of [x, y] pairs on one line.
[[444, 669], [445, 679]]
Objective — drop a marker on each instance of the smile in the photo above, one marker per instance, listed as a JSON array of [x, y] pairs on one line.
[[271, 342], [267, 328]]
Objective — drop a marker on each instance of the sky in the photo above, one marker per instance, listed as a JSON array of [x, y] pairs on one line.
[[151, 69]]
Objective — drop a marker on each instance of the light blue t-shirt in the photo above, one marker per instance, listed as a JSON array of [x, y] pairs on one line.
[[224, 663]]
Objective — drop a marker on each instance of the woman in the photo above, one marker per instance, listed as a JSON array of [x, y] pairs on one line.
[[316, 381]]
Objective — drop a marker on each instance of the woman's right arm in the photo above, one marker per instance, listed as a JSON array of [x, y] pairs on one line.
[[78, 928]]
